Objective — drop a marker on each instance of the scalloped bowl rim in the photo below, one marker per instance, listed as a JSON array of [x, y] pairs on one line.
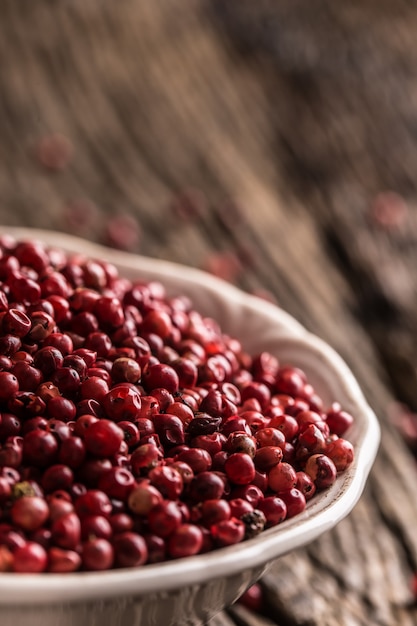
[[322, 513]]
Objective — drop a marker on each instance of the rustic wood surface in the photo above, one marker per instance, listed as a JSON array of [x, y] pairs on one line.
[[259, 140]]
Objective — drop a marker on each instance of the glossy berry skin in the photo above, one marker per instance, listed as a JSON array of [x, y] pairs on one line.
[[97, 526], [121, 403], [103, 438], [164, 518], [257, 390], [239, 506], [56, 478], [130, 549], [30, 558], [117, 483], [339, 421], [48, 359], [66, 531], [197, 458], [269, 437], [206, 486], [29, 377], [267, 457], [294, 501], [310, 441], [341, 452], [61, 561], [186, 540], [305, 484], [93, 502], [214, 511], [8, 385], [167, 480], [157, 551], [120, 522], [72, 452], [286, 424], [240, 468], [67, 379], [40, 448], [58, 506], [228, 532], [282, 477], [161, 375], [61, 408], [274, 509], [97, 554], [253, 598], [29, 512], [10, 426], [290, 380]]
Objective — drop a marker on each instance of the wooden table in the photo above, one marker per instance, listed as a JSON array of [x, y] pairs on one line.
[[258, 140]]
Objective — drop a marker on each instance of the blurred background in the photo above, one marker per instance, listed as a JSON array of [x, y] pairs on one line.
[[273, 143]]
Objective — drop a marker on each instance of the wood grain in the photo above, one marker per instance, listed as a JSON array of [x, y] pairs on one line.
[[288, 118]]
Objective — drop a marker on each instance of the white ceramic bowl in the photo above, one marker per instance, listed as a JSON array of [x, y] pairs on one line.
[[191, 590]]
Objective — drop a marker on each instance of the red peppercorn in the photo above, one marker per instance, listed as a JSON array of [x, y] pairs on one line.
[[57, 477], [197, 458], [39, 448], [29, 512], [63, 561], [339, 421], [253, 598], [282, 477], [66, 531], [240, 468], [117, 482], [186, 540], [103, 438], [161, 375], [97, 554], [16, 323], [143, 498], [130, 549], [164, 518], [206, 486], [122, 403], [228, 532], [214, 511], [29, 558], [168, 480], [294, 501], [169, 429], [93, 502], [341, 452], [97, 526], [9, 385], [321, 469]]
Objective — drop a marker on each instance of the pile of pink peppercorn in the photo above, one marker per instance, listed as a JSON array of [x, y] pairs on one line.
[[133, 430]]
